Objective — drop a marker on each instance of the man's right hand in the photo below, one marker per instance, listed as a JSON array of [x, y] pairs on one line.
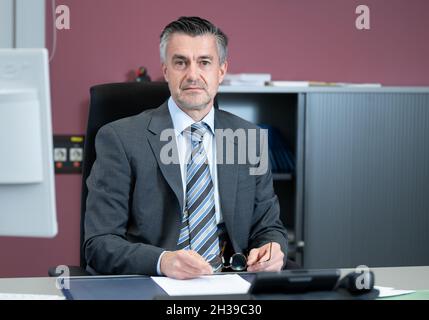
[[184, 264]]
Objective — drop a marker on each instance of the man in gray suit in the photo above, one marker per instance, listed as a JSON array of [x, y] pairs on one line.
[[148, 215]]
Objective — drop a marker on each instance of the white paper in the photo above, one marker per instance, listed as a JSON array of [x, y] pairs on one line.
[[205, 285], [26, 296], [391, 292]]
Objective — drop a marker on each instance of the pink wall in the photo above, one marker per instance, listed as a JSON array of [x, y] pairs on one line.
[[291, 39]]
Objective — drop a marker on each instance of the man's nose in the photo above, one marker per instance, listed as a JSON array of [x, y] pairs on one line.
[[193, 72]]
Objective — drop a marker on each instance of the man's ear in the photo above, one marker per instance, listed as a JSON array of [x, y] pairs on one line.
[[164, 71], [222, 71]]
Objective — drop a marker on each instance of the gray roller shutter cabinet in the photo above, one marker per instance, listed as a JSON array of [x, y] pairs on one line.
[[366, 179]]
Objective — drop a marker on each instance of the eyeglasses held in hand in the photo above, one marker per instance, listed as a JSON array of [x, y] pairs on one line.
[[237, 262]]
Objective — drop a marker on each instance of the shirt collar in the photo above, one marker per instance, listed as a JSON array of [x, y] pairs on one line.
[[181, 120]]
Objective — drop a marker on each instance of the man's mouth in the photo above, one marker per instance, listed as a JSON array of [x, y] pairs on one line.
[[193, 88]]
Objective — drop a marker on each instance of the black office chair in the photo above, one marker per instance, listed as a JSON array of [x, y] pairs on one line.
[[110, 102]]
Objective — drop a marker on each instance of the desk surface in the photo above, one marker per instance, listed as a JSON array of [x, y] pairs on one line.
[[409, 278]]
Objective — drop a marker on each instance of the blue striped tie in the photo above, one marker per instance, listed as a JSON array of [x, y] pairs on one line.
[[199, 228]]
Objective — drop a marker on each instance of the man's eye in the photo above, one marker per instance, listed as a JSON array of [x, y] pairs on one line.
[[205, 62], [179, 63]]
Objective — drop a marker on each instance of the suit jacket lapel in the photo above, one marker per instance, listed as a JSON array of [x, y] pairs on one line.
[[227, 178], [161, 120]]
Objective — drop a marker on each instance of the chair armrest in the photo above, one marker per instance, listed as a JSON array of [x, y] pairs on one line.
[[291, 265]]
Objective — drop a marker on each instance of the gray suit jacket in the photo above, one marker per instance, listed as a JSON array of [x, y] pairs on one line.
[[135, 201]]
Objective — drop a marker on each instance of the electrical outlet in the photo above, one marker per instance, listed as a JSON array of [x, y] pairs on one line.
[[68, 153]]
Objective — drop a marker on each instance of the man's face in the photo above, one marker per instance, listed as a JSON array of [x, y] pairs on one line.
[[192, 70]]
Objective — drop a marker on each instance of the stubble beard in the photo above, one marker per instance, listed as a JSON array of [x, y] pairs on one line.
[[197, 104]]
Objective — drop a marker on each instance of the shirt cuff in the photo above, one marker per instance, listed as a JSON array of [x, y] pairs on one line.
[[158, 265]]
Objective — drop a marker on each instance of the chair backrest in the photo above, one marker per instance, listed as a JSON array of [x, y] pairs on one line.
[[110, 102]]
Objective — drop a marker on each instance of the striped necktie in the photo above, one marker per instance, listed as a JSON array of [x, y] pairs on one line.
[[199, 228]]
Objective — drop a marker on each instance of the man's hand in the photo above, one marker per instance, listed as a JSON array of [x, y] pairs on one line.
[[257, 260], [184, 264]]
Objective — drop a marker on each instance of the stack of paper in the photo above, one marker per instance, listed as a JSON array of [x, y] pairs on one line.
[[246, 79], [205, 285], [391, 292], [27, 296], [283, 83]]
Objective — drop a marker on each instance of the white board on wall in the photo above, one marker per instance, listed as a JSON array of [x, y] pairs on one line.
[[22, 23], [6, 24]]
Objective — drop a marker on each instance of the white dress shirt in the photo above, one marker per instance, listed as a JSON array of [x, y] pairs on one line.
[[181, 121]]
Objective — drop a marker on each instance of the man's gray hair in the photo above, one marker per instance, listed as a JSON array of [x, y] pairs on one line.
[[194, 26]]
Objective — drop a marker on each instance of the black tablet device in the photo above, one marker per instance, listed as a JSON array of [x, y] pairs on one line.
[[292, 281]]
